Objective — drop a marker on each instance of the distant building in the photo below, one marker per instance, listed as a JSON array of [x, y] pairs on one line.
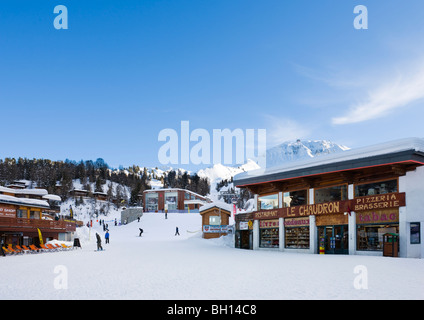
[[173, 200]]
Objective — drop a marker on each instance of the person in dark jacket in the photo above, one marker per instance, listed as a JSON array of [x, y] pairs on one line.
[[99, 242], [141, 232], [176, 231]]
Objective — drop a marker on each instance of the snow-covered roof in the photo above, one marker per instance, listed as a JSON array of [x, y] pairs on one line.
[[35, 192], [218, 204], [194, 201], [381, 150], [39, 203], [52, 197], [24, 201]]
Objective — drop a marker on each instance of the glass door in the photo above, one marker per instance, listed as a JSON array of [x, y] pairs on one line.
[[334, 239]]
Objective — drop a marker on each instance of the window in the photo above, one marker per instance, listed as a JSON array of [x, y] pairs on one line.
[[152, 201], [370, 237], [297, 238], [295, 198], [21, 213], [215, 220], [171, 200], [268, 202], [373, 188], [34, 214], [336, 193], [269, 238], [415, 233]]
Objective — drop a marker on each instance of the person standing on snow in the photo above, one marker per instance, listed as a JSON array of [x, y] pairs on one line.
[[107, 237], [176, 231], [99, 242]]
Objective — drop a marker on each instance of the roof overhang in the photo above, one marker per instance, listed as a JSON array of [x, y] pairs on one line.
[[407, 157]]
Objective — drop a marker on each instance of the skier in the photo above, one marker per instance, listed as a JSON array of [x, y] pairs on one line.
[[138, 218], [176, 231], [99, 242], [107, 237], [1, 249], [141, 232]]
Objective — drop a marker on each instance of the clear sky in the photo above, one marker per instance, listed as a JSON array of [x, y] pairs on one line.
[[125, 70]]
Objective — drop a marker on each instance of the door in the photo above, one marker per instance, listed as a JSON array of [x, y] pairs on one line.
[[334, 239]]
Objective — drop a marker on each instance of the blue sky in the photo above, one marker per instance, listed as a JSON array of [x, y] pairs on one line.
[[125, 70]]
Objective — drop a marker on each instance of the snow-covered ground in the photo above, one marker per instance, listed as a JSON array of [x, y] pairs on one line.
[[160, 265]]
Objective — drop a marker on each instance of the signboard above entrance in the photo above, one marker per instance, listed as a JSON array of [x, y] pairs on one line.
[[384, 201]]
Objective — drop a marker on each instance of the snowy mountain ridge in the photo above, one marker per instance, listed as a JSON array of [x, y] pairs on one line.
[[300, 149]]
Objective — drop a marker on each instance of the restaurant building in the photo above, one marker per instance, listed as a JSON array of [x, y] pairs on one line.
[[173, 200], [25, 211], [342, 203]]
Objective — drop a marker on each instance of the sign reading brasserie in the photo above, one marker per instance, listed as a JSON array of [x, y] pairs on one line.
[[381, 201], [384, 201]]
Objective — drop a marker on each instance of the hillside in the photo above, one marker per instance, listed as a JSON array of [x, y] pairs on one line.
[[124, 186]]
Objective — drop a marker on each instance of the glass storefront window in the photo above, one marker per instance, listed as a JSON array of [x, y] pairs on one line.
[[297, 238], [268, 238], [295, 198], [336, 193], [152, 201], [268, 202], [171, 199], [381, 187], [370, 237]]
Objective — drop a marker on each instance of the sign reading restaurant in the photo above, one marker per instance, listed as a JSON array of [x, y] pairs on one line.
[[391, 200]]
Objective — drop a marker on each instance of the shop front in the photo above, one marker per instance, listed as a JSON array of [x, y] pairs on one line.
[[372, 225], [269, 234], [244, 235], [333, 234], [296, 231], [326, 227]]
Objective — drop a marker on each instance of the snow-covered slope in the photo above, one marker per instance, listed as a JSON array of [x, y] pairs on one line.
[[160, 265]]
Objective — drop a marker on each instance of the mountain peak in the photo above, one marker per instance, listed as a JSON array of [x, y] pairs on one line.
[[300, 149]]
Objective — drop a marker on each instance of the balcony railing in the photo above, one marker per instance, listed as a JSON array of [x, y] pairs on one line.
[[21, 224]]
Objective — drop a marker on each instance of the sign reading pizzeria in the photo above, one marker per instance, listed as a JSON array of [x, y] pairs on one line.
[[382, 201]]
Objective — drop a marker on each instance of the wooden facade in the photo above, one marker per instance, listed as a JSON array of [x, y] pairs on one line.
[[25, 211], [215, 231]]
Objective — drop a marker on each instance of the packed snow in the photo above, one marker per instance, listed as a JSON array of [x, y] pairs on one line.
[[165, 266]]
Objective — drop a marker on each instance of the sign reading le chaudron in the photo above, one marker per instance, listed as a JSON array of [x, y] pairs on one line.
[[390, 200]]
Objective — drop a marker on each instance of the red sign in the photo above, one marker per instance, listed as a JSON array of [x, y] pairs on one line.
[[7, 212]]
